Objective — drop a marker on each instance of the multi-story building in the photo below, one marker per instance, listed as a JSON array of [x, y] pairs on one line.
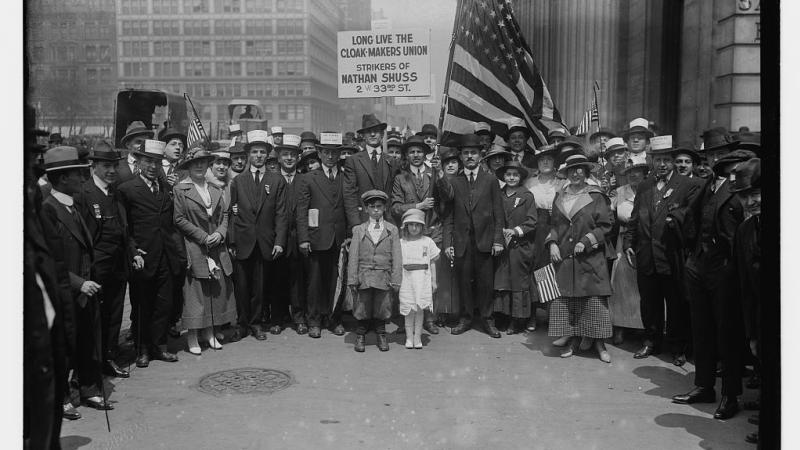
[[280, 52], [71, 64]]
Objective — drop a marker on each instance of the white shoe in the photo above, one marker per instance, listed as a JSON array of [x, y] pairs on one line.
[[191, 341], [409, 343], [211, 339]]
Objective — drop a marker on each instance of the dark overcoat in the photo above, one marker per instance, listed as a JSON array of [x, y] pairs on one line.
[[258, 215], [316, 191], [407, 192], [747, 253], [194, 223], [359, 177], [514, 267], [481, 210]]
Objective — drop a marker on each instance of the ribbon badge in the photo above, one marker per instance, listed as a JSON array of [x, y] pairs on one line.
[[266, 188], [516, 202], [97, 214], [668, 193]]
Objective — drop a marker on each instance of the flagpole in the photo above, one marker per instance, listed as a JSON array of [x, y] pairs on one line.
[[459, 6]]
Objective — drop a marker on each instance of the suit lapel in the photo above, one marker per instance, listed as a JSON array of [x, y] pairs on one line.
[[66, 218], [323, 183], [366, 162], [664, 200]]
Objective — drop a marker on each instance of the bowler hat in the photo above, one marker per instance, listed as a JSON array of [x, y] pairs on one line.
[[687, 151], [236, 146], [369, 121], [470, 141], [417, 140], [638, 125], [576, 160], [259, 137], [62, 158], [308, 136], [717, 138], [372, 194], [570, 141], [746, 176], [151, 149], [413, 215], [136, 128], [501, 171], [194, 155], [603, 131], [429, 129], [103, 151], [728, 160]]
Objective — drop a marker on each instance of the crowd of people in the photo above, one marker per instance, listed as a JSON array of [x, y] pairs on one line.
[[268, 231]]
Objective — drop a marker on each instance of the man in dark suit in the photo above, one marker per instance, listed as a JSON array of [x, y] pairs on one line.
[[257, 238], [68, 230], [652, 236], [321, 231], [473, 234], [716, 314], [289, 272], [419, 187], [99, 205], [149, 209], [135, 135], [367, 170]]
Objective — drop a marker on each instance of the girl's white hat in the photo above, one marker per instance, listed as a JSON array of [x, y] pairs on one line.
[[414, 215]]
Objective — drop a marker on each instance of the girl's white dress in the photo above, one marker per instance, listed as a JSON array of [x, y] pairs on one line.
[[416, 289]]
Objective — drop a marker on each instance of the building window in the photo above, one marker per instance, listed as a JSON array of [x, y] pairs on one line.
[[105, 53], [136, 69], [229, 69], [166, 48], [288, 5], [229, 90], [134, 7], [228, 6], [195, 6], [196, 27], [291, 112], [135, 48], [259, 90], [290, 47], [165, 6], [167, 69], [258, 48], [105, 74], [259, 26], [227, 27], [290, 26], [166, 28], [228, 48], [91, 75], [255, 6], [198, 69], [135, 28], [197, 48], [259, 68], [291, 68]]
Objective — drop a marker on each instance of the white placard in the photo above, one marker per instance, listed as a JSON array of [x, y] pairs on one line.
[[326, 138], [387, 63], [426, 100], [661, 142]]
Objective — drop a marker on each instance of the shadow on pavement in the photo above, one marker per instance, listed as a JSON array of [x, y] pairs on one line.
[[706, 429], [669, 382], [73, 442]]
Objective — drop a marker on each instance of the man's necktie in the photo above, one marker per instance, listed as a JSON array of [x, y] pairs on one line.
[[258, 177], [377, 225], [289, 179], [331, 176], [154, 187], [516, 157], [375, 158], [471, 178]]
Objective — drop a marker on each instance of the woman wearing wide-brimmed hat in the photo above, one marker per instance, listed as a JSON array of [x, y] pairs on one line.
[[201, 216], [580, 220]]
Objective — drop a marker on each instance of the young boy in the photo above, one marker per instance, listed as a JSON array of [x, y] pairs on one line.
[[375, 268]]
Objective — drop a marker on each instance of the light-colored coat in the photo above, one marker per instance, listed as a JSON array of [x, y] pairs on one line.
[[384, 268]]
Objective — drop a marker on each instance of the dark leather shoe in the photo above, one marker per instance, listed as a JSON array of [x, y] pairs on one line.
[[679, 360], [460, 328], [143, 360], [70, 413], [431, 327], [100, 404], [302, 328], [753, 419], [258, 333], [728, 407], [239, 333], [360, 341], [338, 330], [752, 437], [696, 395], [163, 356], [275, 329], [111, 368], [491, 330], [383, 343], [314, 332], [645, 351]]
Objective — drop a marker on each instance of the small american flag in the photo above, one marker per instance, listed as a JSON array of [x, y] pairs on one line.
[[546, 283], [591, 116], [196, 132]]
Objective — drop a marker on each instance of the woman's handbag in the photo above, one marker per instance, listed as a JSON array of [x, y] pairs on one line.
[[546, 283]]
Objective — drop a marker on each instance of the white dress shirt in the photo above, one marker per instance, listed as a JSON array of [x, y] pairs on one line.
[[378, 149], [375, 233], [327, 170], [102, 185]]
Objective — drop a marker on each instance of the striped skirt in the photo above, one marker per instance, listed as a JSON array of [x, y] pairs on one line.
[[580, 316]]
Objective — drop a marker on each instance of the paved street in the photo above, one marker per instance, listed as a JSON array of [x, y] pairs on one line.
[[467, 391]]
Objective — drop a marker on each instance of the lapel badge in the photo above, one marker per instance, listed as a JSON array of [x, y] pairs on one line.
[[266, 188], [668, 193], [96, 208], [516, 202], [235, 209]]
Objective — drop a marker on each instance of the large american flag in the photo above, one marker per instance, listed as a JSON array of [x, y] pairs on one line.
[[491, 75]]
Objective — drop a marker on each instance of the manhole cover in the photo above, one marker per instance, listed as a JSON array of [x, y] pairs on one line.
[[248, 380]]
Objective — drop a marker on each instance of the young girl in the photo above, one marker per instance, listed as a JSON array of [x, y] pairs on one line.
[[419, 275]]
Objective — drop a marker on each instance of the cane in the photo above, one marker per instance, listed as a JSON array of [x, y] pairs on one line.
[[211, 302], [99, 354]]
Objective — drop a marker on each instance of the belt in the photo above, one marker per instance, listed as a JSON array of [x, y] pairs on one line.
[[411, 267]]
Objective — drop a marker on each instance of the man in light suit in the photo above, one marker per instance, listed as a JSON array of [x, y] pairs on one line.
[[473, 234], [257, 238]]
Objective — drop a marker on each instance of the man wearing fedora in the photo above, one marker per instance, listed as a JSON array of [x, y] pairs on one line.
[[716, 317], [653, 241], [321, 232], [176, 145], [135, 135], [420, 187], [473, 234], [64, 170], [99, 204], [238, 156], [257, 233], [149, 207], [367, 170]]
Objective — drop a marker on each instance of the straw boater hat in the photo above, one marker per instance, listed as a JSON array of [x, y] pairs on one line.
[[614, 145], [104, 151], [290, 142], [62, 158], [718, 139], [152, 149], [636, 161], [517, 124], [576, 160], [368, 122], [194, 155], [603, 131], [746, 176], [372, 194], [638, 125], [222, 154], [724, 165], [330, 140], [481, 128], [136, 128], [276, 131], [661, 145], [523, 172], [414, 215], [545, 150], [258, 137], [417, 140]]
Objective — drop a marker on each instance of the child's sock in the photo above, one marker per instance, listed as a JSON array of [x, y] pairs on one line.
[[409, 322], [419, 318]]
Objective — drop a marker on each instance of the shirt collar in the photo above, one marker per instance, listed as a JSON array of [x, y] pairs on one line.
[[373, 221], [100, 183], [131, 159], [417, 170], [146, 180], [378, 149], [327, 170], [287, 174], [474, 171], [254, 169], [62, 198], [165, 163]]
